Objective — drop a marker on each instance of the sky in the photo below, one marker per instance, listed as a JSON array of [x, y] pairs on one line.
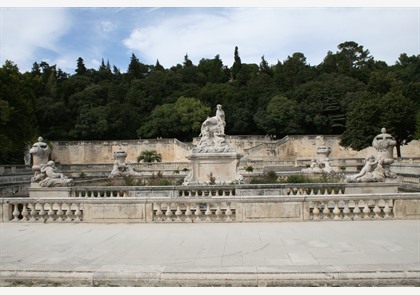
[[60, 35]]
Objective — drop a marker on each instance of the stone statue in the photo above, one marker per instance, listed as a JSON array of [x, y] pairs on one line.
[[52, 178], [121, 168], [376, 167], [368, 172], [40, 152], [322, 163], [213, 138]]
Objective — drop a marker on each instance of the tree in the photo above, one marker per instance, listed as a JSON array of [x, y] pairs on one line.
[[81, 68], [149, 156], [362, 123], [265, 67], [213, 70], [280, 117], [293, 72], [136, 69], [398, 116], [181, 119], [369, 114], [237, 64], [17, 118]]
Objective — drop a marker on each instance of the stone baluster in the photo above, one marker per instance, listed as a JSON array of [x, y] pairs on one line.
[[178, 213], [315, 211], [387, 210], [42, 213], [377, 210], [197, 212], [218, 212], [366, 210], [25, 212], [77, 213], [356, 210], [336, 211], [33, 212], [326, 212], [125, 195], [223, 193], [16, 212], [346, 211], [168, 212], [228, 212], [208, 212], [50, 215], [188, 213], [60, 212], [69, 213], [159, 212]]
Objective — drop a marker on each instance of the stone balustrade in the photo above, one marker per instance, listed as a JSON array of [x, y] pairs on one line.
[[411, 180], [204, 210], [214, 208], [14, 169], [208, 190], [42, 211], [350, 207]]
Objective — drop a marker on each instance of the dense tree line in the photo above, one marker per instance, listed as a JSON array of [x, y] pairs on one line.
[[348, 94]]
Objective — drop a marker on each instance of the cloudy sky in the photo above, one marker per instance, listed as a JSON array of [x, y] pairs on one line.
[[59, 35]]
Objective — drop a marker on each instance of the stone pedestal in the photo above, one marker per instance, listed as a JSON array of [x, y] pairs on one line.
[[49, 192], [221, 166]]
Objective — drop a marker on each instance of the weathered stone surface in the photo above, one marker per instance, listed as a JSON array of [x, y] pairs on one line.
[[377, 166], [114, 213], [407, 209], [121, 167], [272, 212], [49, 193], [222, 166]]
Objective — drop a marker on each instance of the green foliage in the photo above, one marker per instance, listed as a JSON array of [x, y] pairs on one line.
[[149, 156], [393, 111], [179, 119], [349, 93], [212, 178], [249, 168], [266, 178]]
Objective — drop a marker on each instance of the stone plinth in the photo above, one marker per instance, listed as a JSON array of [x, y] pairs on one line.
[[221, 166], [49, 193]]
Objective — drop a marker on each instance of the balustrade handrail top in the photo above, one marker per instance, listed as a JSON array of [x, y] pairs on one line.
[[234, 199]]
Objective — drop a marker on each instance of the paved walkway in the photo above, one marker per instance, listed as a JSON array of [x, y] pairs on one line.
[[341, 253]]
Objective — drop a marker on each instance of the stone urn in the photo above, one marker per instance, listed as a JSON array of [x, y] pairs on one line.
[[323, 152], [120, 156], [384, 143], [40, 152]]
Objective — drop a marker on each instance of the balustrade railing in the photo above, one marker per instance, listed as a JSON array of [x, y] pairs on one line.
[[206, 192], [350, 208], [100, 193], [411, 180], [193, 211], [299, 190], [46, 211]]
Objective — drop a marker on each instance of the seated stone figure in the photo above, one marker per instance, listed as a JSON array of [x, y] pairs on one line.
[[53, 178], [372, 171], [122, 169], [213, 138]]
